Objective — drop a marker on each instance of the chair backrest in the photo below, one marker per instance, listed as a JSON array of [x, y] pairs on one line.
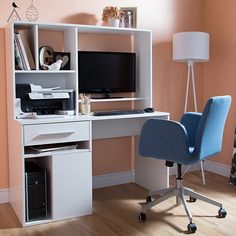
[[211, 127]]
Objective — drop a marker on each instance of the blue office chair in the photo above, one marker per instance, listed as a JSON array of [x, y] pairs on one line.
[[197, 137]]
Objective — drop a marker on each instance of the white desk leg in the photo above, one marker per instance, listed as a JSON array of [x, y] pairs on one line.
[[150, 173]]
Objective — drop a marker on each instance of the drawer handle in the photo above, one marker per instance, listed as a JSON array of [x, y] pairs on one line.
[[56, 133]]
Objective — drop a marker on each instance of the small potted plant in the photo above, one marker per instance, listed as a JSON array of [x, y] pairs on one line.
[[111, 15]]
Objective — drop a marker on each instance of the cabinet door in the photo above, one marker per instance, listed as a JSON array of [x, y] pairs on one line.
[[71, 185]]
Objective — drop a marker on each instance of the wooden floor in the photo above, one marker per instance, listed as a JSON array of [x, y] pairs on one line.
[[115, 212]]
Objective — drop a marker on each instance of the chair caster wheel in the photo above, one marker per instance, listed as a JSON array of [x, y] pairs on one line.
[[192, 228], [148, 199], [222, 213], [142, 217], [192, 199]]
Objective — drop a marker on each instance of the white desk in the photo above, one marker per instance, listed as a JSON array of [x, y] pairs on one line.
[[69, 167], [75, 167], [148, 173]]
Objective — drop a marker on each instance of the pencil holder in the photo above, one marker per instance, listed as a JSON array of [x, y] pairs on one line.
[[85, 108]]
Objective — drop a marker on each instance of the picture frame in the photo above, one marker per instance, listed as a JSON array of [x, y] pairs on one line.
[[133, 13], [65, 57]]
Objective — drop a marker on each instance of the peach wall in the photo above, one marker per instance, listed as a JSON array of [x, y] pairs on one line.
[[169, 78], [163, 17], [3, 116], [220, 72], [106, 150]]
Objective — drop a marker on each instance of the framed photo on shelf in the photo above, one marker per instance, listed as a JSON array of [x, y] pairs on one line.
[[65, 57], [129, 17]]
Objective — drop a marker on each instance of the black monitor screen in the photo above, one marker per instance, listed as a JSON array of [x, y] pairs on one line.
[[106, 72]]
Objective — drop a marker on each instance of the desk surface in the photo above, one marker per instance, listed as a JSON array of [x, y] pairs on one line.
[[31, 121]]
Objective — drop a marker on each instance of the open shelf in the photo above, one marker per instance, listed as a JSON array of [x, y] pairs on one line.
[[57, 148], [31, 155]]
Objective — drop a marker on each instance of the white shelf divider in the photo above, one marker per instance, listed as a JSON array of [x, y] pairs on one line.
[[44, 71], [114, 100], [36, 46]]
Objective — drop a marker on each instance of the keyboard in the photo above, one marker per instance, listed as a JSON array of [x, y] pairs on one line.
[[117, 112]]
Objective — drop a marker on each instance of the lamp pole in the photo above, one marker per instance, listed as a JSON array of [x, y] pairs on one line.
[[190, 64]]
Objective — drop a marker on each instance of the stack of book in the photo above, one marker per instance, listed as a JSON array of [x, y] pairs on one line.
[[23, 55]]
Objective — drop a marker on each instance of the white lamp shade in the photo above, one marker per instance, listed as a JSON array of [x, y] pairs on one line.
[[191, 46]]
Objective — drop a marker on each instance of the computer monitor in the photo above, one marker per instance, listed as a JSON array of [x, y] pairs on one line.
[[106, 72]]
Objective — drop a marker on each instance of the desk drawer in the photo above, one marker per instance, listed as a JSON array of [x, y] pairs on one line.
[[56, 133]]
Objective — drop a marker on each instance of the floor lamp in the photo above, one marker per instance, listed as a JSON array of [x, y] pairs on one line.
[[191, 47]]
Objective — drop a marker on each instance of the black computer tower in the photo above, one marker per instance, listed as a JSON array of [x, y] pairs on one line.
[[35, 192]]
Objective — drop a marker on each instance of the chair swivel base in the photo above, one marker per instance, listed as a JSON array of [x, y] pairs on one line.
[[156, 197]]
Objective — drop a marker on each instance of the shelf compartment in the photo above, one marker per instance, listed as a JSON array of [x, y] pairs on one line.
[[46, 80], [45, 154], [51, 149], [26, 45], [61, 41], [37, 196]]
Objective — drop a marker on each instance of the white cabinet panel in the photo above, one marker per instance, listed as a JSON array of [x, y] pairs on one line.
[[71, 185], [56, 133]]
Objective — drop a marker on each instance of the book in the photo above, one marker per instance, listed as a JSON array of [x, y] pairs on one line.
[[23, 35], [22, 51], [18, 59]]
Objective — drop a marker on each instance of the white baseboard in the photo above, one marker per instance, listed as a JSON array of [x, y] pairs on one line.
[[211, 166], [217, 168], [117, 178], [4, 195]]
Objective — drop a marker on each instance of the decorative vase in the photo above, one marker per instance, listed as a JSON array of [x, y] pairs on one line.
[[113, 22]]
